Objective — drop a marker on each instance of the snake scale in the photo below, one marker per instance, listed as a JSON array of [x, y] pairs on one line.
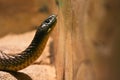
[[32, 52]]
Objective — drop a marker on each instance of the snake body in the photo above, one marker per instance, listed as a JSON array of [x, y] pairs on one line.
[[34, 50]]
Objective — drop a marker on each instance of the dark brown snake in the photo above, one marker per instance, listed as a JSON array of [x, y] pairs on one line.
[[34, 50]]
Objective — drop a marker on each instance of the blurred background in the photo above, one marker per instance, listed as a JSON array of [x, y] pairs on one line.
[[22, 16], [84, 45]]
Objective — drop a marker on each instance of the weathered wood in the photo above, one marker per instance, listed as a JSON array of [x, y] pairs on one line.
[[71, 59], [87, 40], [102, 31]]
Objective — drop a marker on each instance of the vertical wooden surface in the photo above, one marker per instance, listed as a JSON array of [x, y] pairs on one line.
[[71, 59], [102, 35], [87, 40]]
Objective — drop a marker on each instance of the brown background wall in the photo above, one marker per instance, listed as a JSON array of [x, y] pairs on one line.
[[23, 15]]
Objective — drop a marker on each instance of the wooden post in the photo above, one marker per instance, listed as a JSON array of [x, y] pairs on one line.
[[71, 59], [87, 40]]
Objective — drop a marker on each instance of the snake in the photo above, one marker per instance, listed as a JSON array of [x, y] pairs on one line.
[[23, 59]]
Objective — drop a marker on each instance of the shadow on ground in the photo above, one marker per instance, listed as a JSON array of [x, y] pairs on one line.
[[20, 76]]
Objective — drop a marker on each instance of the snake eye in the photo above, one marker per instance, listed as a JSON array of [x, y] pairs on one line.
[[47, 21]]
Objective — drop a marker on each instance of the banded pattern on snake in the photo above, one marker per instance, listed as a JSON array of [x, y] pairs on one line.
[[34, 50]]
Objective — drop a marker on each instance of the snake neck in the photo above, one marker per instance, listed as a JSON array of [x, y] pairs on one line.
[[37, 45], [28, 56], [34, 50]]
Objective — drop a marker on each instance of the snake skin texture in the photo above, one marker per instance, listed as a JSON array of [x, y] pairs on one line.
[[34, 50]]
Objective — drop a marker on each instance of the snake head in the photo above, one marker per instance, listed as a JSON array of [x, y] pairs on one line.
[[48, 24]]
